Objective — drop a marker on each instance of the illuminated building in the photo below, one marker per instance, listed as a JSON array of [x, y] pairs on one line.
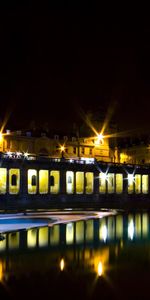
[[39, 182], [43, 172], [73, 147], [135, 154]]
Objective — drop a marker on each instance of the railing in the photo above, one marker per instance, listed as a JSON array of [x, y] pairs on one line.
[[82, 160]]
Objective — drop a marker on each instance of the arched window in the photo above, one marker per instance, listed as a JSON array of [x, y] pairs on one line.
[[51, 180], [33, 180], [14, 179]]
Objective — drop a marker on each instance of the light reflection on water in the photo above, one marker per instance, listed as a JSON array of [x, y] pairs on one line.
[[95, 247]]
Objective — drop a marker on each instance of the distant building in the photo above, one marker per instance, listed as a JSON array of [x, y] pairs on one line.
[[73, 146], [134, 151], [139, 154]]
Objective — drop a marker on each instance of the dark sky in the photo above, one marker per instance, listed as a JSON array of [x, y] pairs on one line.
[[54, 60]]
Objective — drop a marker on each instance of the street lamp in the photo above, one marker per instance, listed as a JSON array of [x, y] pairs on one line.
[[99, 139]]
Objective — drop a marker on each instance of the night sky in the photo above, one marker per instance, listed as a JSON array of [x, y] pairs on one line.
[[56, 61]]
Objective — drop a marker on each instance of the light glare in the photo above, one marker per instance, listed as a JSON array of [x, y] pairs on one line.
[[130, 178], [62, 148]]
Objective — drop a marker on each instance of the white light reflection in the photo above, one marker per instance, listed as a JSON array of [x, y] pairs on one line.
[[131, 229], [104, 232], [62, 264]]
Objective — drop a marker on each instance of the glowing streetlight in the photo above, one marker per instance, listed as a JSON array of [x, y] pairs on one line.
[[25, 154], [62, 149], [100, 136], [18, 154], [99, 139]]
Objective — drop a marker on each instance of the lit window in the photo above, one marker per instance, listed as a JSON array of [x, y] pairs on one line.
[[130, 183], [89, 182], [119, 183], [43, 181], [138, 183], [14, 181], [79, 182], [32, 181], [102, 182], [69, 182], [3, 179], [145, 184], [110, 182], [55, 182]]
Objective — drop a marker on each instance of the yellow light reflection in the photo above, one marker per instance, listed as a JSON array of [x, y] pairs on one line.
[[2, 270], [62, 264], [145, 224], [100, 269], [43, 237], [69, 233], [31, 238], [13, 240], [54, 235], [100, 262]]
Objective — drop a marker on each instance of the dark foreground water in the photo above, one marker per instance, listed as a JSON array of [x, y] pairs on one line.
[[107, 258]]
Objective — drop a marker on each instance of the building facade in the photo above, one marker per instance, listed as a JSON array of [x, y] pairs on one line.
[[58, 146]]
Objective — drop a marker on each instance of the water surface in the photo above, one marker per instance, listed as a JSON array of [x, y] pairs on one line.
[[100, 258]]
